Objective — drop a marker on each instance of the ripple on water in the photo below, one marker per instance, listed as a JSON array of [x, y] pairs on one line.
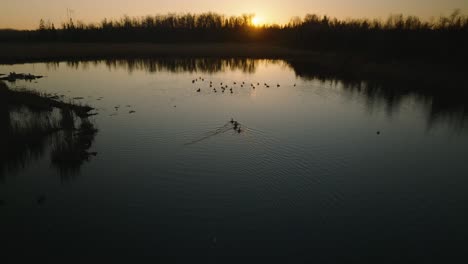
[[255, 160]]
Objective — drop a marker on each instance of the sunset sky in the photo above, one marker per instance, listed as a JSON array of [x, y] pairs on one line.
[[25, 14]]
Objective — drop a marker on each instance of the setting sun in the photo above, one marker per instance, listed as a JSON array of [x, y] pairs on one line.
[[256, 21]]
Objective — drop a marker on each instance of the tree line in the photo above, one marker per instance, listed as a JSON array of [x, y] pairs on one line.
[[397, 36]]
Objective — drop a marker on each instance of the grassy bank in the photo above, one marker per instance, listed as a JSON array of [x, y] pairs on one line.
[[38, 52], [30, 127]]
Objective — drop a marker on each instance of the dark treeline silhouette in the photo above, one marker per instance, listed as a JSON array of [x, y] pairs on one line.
[[397, 36]]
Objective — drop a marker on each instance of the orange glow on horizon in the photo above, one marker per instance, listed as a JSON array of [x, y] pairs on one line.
[[257, 21], [25, 14]]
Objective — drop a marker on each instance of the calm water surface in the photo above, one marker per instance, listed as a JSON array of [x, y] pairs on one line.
[[308, 177]]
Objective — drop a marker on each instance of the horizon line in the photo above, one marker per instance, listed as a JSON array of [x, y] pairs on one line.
[[458, 11]]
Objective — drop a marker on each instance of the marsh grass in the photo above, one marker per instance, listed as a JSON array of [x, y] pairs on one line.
[[71, 151], [30, 126], [13, 77]]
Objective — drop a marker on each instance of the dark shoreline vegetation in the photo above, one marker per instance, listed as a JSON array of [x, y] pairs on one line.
[[441, 39], [388, 61], [343, 64], [33, 123], [401, 47]]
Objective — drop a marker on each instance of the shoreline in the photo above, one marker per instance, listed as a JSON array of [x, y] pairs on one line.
[[354, 66], [13, 53]]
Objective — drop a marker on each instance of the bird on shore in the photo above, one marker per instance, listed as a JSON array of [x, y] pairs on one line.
[[277, 85], [198, 90]]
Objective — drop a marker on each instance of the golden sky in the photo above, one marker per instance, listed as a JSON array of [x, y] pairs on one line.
[[25, 14]]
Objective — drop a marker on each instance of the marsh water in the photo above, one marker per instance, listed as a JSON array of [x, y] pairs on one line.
[[323, 168]]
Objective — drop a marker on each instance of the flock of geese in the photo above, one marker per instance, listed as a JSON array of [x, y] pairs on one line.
[[224, 86]]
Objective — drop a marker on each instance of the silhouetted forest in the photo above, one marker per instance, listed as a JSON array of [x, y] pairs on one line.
[[446, 36]]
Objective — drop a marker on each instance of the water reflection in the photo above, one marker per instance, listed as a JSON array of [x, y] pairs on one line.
[[30, 128], [308, 159], [30, 138], [443, 97], [201, 65]]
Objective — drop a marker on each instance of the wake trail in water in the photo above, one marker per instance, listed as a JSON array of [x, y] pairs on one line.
[[220, 130]]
